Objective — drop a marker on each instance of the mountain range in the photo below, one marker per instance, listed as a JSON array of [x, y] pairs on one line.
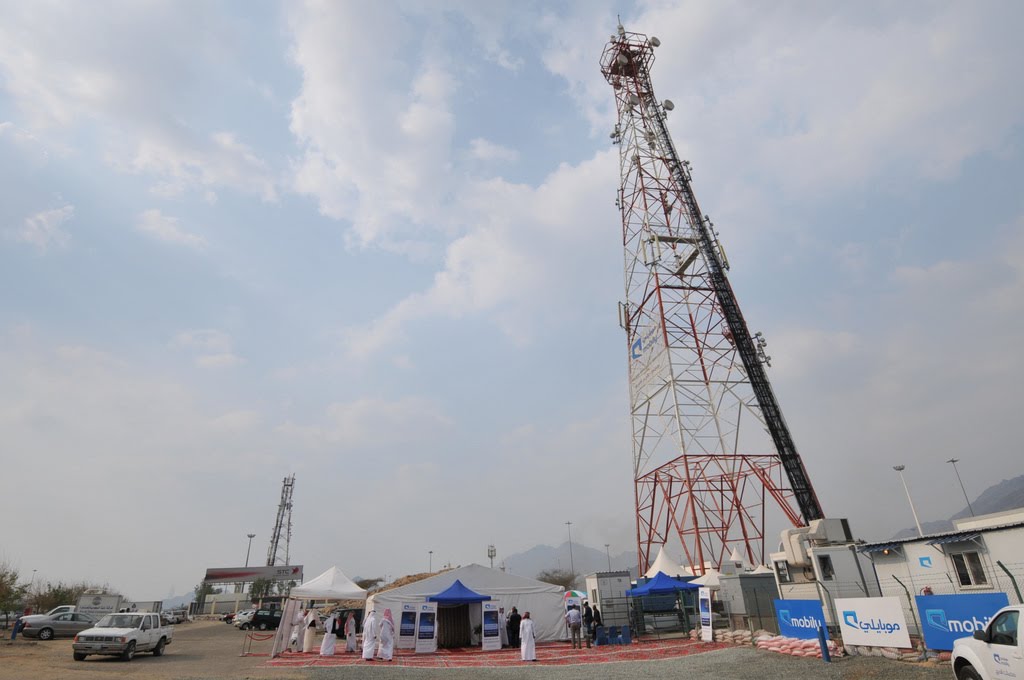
[[582, 560], [1006, 495]]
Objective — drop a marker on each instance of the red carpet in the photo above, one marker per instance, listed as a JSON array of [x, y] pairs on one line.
[[548, 654]]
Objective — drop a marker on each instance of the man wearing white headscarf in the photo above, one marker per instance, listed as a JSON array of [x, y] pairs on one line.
[[331, 627], [528, 645], [387, 636], [309, 633], [370, 629], [350, 632], [297, 619]]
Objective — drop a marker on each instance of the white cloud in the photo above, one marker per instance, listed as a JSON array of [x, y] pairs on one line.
[[165, 228], [65, 67], [212, 348], [374, 423], [487, 150], [43, 230], [376, 139]]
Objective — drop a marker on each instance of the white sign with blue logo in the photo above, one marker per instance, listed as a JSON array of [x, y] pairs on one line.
[[873, 622], [944, 618], [800, 618], [648, 360]]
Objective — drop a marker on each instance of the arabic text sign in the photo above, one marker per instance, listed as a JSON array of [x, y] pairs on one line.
[[873, 622]]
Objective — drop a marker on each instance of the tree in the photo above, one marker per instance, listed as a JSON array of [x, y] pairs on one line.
[[12, 595], [261, 587], [368, 583], [558, 577], [53, 595]]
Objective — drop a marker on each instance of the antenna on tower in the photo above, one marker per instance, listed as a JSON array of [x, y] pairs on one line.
[[282, 525]]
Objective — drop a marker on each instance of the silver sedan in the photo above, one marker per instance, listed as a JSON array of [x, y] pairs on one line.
[[49, 626]]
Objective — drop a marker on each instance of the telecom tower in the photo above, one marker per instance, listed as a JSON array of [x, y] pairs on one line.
[[712, 454], [283, 524]]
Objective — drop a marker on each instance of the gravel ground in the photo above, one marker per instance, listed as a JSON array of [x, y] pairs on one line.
[[728, 664]]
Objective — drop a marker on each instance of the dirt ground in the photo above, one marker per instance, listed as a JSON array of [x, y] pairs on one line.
[[211, 650], [201, 650]]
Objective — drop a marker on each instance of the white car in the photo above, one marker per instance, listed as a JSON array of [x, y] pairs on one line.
[[994, 652], [244, 618]]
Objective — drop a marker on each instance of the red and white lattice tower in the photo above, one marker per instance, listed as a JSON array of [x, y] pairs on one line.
[[712, 455]]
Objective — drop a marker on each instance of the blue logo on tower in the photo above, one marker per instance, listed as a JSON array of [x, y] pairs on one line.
[[637, 349], [925, 562]]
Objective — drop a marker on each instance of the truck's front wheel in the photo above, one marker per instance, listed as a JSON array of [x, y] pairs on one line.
[[967, 672], [129, 652], [159, 649], [79, 656]]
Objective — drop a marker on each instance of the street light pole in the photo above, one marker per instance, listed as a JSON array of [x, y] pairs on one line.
[[900, 469], [572, 568], [953, 462], [251, 536], [609, 555], [431, 568]]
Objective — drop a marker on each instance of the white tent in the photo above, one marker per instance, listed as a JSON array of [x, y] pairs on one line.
[[709, 579], [330, 585], [542, 600], [663, 564]]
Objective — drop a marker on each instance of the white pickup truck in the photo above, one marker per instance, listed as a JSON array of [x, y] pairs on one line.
[[123, 635], [996, 651]]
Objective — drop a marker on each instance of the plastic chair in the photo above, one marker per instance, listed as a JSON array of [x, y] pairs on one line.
[[613, 635], [625, 637], [602, 637]]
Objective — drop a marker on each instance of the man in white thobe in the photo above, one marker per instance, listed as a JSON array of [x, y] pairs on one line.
[[528, 645], [350, 632], [387, 637], [330, 641], [309, 632], [297, 619], [370, 630]]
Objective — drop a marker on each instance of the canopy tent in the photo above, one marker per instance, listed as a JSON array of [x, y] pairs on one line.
[[661, 584], [709, 579], [457, 593], [542, 600], [330, 585], [663, 563]]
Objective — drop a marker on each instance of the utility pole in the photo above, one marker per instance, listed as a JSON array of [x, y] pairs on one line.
[[609, 555], [900, 469], [571, 567], [491, 552], [953, 462]]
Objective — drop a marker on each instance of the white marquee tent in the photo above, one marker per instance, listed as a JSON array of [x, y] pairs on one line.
[[542, 600], [330, 585], [665, 565]]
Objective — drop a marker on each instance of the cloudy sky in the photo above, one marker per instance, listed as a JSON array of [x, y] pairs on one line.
[[375, 245]]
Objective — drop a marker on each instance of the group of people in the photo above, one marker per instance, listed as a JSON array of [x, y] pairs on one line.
[[576, 620], [520, 634], [378, 634]]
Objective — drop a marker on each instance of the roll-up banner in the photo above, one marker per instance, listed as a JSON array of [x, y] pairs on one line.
[[800, 618], [704, 599], [945, 618], [407, 627], [491, 626], [873, 622], [426, 628]]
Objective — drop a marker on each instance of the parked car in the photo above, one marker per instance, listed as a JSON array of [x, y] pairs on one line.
[[61, 609], [243, 618], [47, 626], [266, 619], [171, 617], [228, 618], [123, 635], [994, 651]]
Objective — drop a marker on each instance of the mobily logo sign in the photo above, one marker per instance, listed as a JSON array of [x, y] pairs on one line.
[[799, 621], [925, 561], [937, 619], [879, 626]]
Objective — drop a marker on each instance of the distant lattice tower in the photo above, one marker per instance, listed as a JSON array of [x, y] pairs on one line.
[[712, 455], [282, 525]]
